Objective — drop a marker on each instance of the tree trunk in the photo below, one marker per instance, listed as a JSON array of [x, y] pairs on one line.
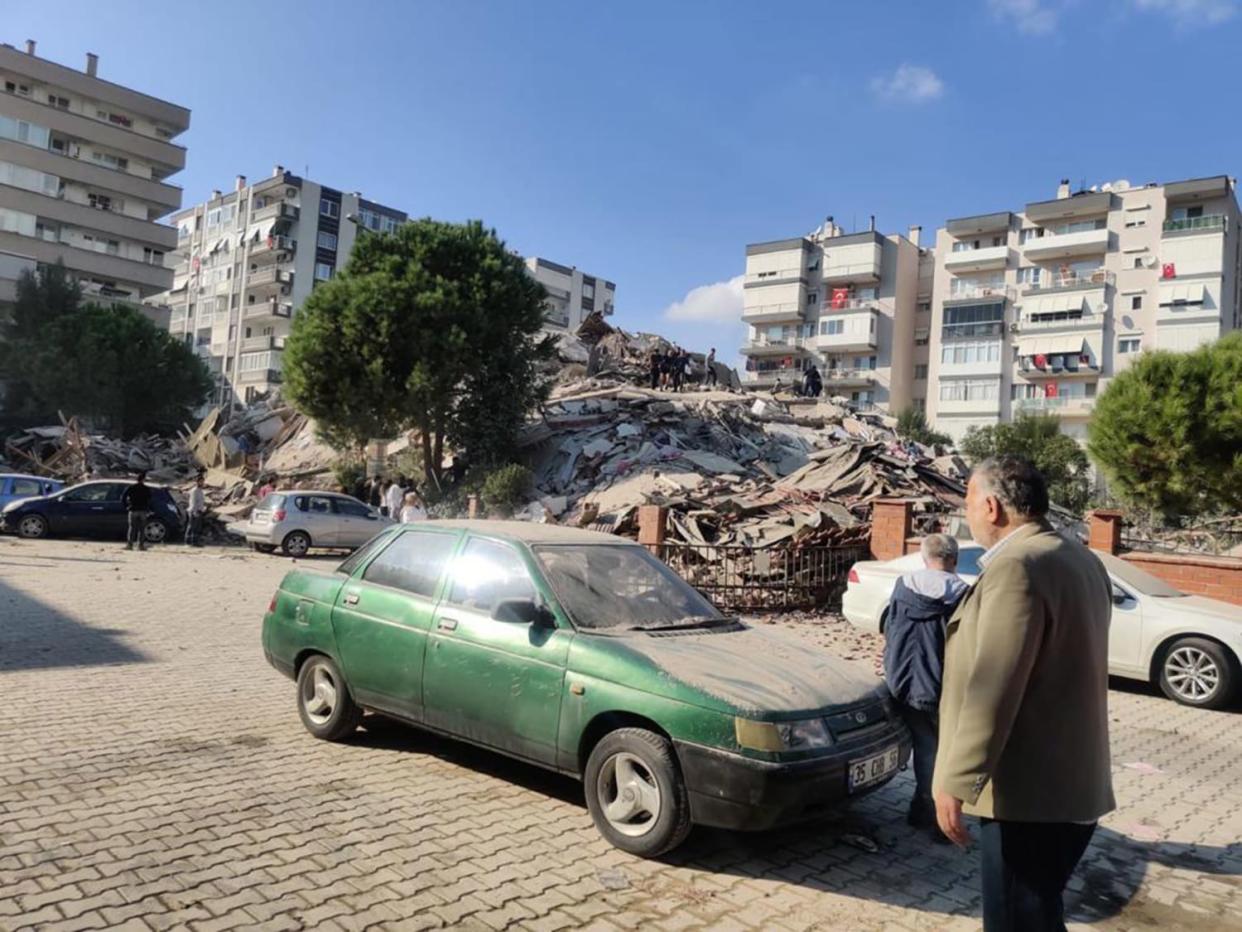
[[424, 436]]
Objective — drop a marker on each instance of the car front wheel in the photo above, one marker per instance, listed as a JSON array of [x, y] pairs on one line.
[[636, 794], [296, 544], [32, 527], [1198, 672], [327, 709], [155, 531]]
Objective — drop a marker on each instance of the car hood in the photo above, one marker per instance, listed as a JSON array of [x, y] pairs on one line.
[[23, 503], [754, 671], [1198, 605]]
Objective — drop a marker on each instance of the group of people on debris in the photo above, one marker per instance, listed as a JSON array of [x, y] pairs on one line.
[[669, 369], [1003, 685], [396, 497]]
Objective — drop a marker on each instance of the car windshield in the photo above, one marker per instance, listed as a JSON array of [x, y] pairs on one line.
[[605, 586], [1130, 575]]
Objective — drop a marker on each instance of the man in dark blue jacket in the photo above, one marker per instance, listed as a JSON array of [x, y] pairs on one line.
[[921, 605]]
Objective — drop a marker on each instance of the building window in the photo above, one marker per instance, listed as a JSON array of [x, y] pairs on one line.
[[213, 218], [960, 353], [831, 327], [152, 256], [973, 320], [812, 298], [1136, 302], [327, 240], [99, 201], [970, 390], [1132, 222], [920, 370], [1131, 345], [922, 336], [920, 404], [1030, 275], [329, 208], [60, 103], [1138, 262], [1030, 233], [323, 271]]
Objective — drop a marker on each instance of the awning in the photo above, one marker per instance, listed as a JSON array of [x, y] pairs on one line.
[[262, 231], [1192, 293], [1054, 304], [1052, 346]]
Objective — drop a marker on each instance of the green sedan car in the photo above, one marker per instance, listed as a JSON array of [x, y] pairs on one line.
[[583, 653]]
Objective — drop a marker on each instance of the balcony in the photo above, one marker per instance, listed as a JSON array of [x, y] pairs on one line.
[[968, 406], [783, 312], [765, 346], [1064, 245], [273, 249], [1212, 223], [259, 375], [270, 308], [1054, 370], [858, 328], [961, 292], [278, 211], [787, 374], [847, 378], [270, 280], [855, 258], [1065, 406], [255, 344], [1071, 281], [977, 260]]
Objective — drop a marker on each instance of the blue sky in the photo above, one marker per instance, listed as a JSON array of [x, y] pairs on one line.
[[649, 142]]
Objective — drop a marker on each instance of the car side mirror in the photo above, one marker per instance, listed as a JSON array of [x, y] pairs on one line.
[[1120, 596], [524, 612]]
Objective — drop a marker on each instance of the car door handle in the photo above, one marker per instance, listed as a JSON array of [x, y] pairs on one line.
[[447, 624], [96, 507], [351, 598]]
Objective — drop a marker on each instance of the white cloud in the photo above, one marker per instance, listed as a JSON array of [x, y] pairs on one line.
[[909, 83], [1188, 13], [717, 302], [1032, 17]]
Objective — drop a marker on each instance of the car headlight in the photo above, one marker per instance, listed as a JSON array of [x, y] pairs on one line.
[[782, 736]]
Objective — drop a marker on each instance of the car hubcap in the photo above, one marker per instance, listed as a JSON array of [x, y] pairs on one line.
[[319, 696], [155, 532], [628, 795], [297, 546], [32, 527], [1192, 674]]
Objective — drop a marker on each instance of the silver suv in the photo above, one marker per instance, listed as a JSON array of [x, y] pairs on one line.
[[296, 520]]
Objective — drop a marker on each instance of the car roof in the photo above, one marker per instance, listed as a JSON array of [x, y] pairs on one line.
[[528, 532], [26, 475], [322, 492]]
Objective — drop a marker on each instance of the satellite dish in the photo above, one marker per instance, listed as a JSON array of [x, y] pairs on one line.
[[1121, 185]]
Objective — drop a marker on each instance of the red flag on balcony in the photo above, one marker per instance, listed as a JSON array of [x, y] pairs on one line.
[[1168, 270], [270, 241], [1040, 360], [1050, 390], [840, 297], [787, 362]]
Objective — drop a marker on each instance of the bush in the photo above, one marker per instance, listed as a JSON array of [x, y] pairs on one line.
[[507, 489], [912, 425], [349, 469], [1037, 438]]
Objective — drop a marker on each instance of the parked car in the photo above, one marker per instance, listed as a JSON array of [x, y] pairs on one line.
[[91, 509], [1188, 645], [297, 520], [16, 486], [582, 653]]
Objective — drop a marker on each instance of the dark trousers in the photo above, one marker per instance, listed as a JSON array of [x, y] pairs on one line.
[[193, 529], [924, 732], [1025, 866], [136, 529]]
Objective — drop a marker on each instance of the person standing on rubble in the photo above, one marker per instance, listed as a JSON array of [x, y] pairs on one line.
[[710, 379], [918, 612], [677, 364], [137, 501], [656, 364], [196, 509]]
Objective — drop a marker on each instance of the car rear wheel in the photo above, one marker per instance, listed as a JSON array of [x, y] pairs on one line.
[[155, 531], [1198, 672], [32, 527], [636, 794], [296, 544], [327, 709]]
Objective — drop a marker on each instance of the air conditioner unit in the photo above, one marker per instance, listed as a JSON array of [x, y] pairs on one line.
[[1014, 327]]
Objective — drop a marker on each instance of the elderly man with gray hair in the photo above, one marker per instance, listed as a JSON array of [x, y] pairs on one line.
[[914, 633]]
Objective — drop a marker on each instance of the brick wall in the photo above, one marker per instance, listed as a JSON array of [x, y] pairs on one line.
[[890, 526]]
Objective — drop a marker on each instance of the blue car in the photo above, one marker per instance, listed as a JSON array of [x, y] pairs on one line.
[[14, 486], [91, 509]]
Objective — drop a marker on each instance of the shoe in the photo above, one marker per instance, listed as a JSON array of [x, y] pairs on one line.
[[129, 546], [921, 815]]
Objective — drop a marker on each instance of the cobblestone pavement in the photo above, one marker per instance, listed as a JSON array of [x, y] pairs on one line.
[[154, 774]]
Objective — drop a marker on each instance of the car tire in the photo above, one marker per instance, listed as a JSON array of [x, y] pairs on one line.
[[327, 709], [263, 548], [296, 544], [630, 773], [1199, 673], [32, 527], [155, 531]]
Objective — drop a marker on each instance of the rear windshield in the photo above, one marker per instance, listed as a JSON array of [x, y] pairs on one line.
[[272, 501], [621, 586], [1130, 575]]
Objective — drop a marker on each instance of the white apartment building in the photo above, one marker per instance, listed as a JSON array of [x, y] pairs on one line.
[[856, 305], [572, 294], [84, 165], [1036, 310], [245, 262]]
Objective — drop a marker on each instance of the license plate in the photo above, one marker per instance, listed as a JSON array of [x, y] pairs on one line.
[[875, 768]]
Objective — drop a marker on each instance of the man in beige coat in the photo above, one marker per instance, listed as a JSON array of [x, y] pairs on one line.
[[1024, 711]]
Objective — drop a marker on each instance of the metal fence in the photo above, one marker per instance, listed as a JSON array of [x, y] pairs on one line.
[[1217, 537], [738, 578]]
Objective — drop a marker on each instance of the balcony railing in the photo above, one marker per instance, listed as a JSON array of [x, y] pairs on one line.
[[848, 375], [1059, 405], [274, 243], [1067, 281], [961, 290], [251, 344], [1060, 320], [849, 304], [272, 276], [1192, 224], [784, 373], [280, 209], [783, 343]]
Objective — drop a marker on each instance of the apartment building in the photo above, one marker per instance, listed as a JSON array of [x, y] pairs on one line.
[[84, 165], [857, 306], [1036, 310], [245, 261], [572, 294]]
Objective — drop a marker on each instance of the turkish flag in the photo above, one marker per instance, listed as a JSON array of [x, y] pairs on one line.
[[1168, 270], [1050, 390], [1040, 360], [840, 297]]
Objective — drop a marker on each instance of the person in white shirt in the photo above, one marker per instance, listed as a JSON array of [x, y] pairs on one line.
[[394, 498], [413, 509], [196, 507]]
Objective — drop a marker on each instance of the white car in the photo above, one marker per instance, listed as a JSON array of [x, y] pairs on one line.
[[296, 520], [1190, 646]]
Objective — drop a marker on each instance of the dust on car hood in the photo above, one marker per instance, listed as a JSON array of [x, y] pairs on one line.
[[756, 670]]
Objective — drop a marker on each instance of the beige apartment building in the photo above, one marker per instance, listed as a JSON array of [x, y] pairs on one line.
[[84, 168], [1036, 310], [572, 294], [246, 259], [857, 306]]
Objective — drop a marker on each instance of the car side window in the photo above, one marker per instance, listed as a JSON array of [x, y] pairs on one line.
[[318, 505], [414, 561], [968, 561], [354, 509], [486, 573], [26, 487], [99, 492], [362, 554]]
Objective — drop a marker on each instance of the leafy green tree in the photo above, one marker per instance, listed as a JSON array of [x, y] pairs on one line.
[[1038, 438], [435, 327], [912, 425], [107, 364], [1167, 432], [507, 489]]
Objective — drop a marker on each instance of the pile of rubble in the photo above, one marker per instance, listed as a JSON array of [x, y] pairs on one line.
[[70, 453]]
